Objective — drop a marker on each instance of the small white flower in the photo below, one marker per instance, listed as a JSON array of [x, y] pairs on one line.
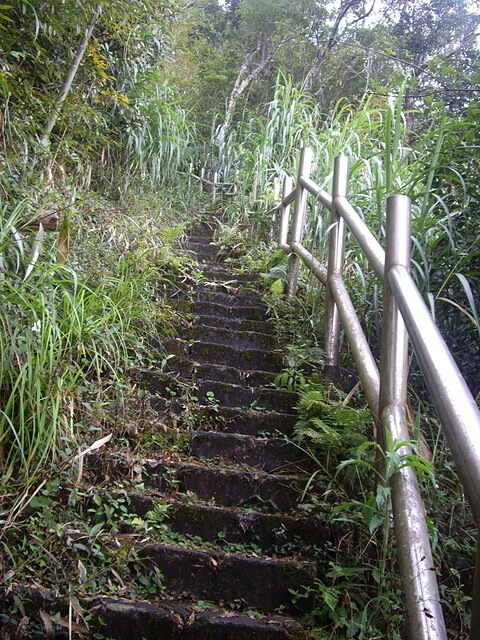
[[37, 326]]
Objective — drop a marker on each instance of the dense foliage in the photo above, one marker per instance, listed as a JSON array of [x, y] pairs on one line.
[[105, 105]]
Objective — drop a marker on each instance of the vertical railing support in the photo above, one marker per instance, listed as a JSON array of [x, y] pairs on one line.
[[336, 254], [214, 186], [202, 178], [417, 570], [299, 218], [284, 213]]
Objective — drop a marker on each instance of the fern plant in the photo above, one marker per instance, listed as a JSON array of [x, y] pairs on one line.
[[328, 422]]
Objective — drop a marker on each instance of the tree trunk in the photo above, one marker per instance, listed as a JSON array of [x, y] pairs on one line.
[[69, 78], [244, 79]]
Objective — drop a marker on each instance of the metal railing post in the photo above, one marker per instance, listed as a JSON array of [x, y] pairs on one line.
[[284, 213], [299, 218], [424, 613], [202, 178], [336, 253], [214, 186]]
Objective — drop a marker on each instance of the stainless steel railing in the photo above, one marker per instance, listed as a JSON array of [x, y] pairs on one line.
[[405, 317]]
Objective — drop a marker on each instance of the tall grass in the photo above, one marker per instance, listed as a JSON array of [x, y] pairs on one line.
[[69, 337], [155, 135], [386, 158]]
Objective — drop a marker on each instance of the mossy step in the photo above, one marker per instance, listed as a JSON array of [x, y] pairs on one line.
[[244, 359], [234, 395], [245, 312], [269, 454], [274, 534], [224, 373], [201, 238], [245, 421], [187, 369], [233, 338], [227, 288], [240, 298], [188, 378], [124, 620], [202, 227], [231, 300], [235, 324], [202, 245], [222, 274], [227, 486], [183, 369], [260, 583]]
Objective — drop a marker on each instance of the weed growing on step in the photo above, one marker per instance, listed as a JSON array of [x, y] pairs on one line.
[[359, 594], [78, 543]]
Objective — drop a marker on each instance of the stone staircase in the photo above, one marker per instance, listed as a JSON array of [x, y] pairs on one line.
[[240, 554]]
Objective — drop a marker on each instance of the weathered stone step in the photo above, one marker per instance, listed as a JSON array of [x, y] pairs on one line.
[[235, 324], [125, 620], [227, 486], [243, 298], [230, 337], [213, 295], [215, 353], [218, 273], [280, 535], [247, 421], [205, 253], [202, 227], [200, 237], [269, 454], [227, 289], [243, 359], [200, 245], [234, 395], [223, 373], [263, 584], [245, 312], [187, 369]]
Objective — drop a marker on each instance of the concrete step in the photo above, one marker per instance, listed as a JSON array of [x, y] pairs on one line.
[[124, 620], [214, 575], [269, 454], [234, 324], [243, 359], [275, 534], [187, 369], [217, 392], [227, 486], [221, 274], [244, 312], [234, 395], [238, 339], [223, 373], [240, 298], [245, 421]]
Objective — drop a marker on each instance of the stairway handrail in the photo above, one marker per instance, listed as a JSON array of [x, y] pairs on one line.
[[406, 316]]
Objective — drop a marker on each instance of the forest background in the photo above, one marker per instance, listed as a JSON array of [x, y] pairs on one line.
[[104, 107]]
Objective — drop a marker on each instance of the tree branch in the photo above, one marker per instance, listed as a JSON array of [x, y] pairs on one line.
[[69, 78]]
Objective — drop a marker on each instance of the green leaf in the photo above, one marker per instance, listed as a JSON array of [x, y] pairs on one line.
[[37, 502], [96, 529]]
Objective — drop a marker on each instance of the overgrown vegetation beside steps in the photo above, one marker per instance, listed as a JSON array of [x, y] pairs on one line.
[[93, 534]]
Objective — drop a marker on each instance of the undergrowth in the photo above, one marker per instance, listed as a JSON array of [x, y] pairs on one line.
[[360, 595]]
